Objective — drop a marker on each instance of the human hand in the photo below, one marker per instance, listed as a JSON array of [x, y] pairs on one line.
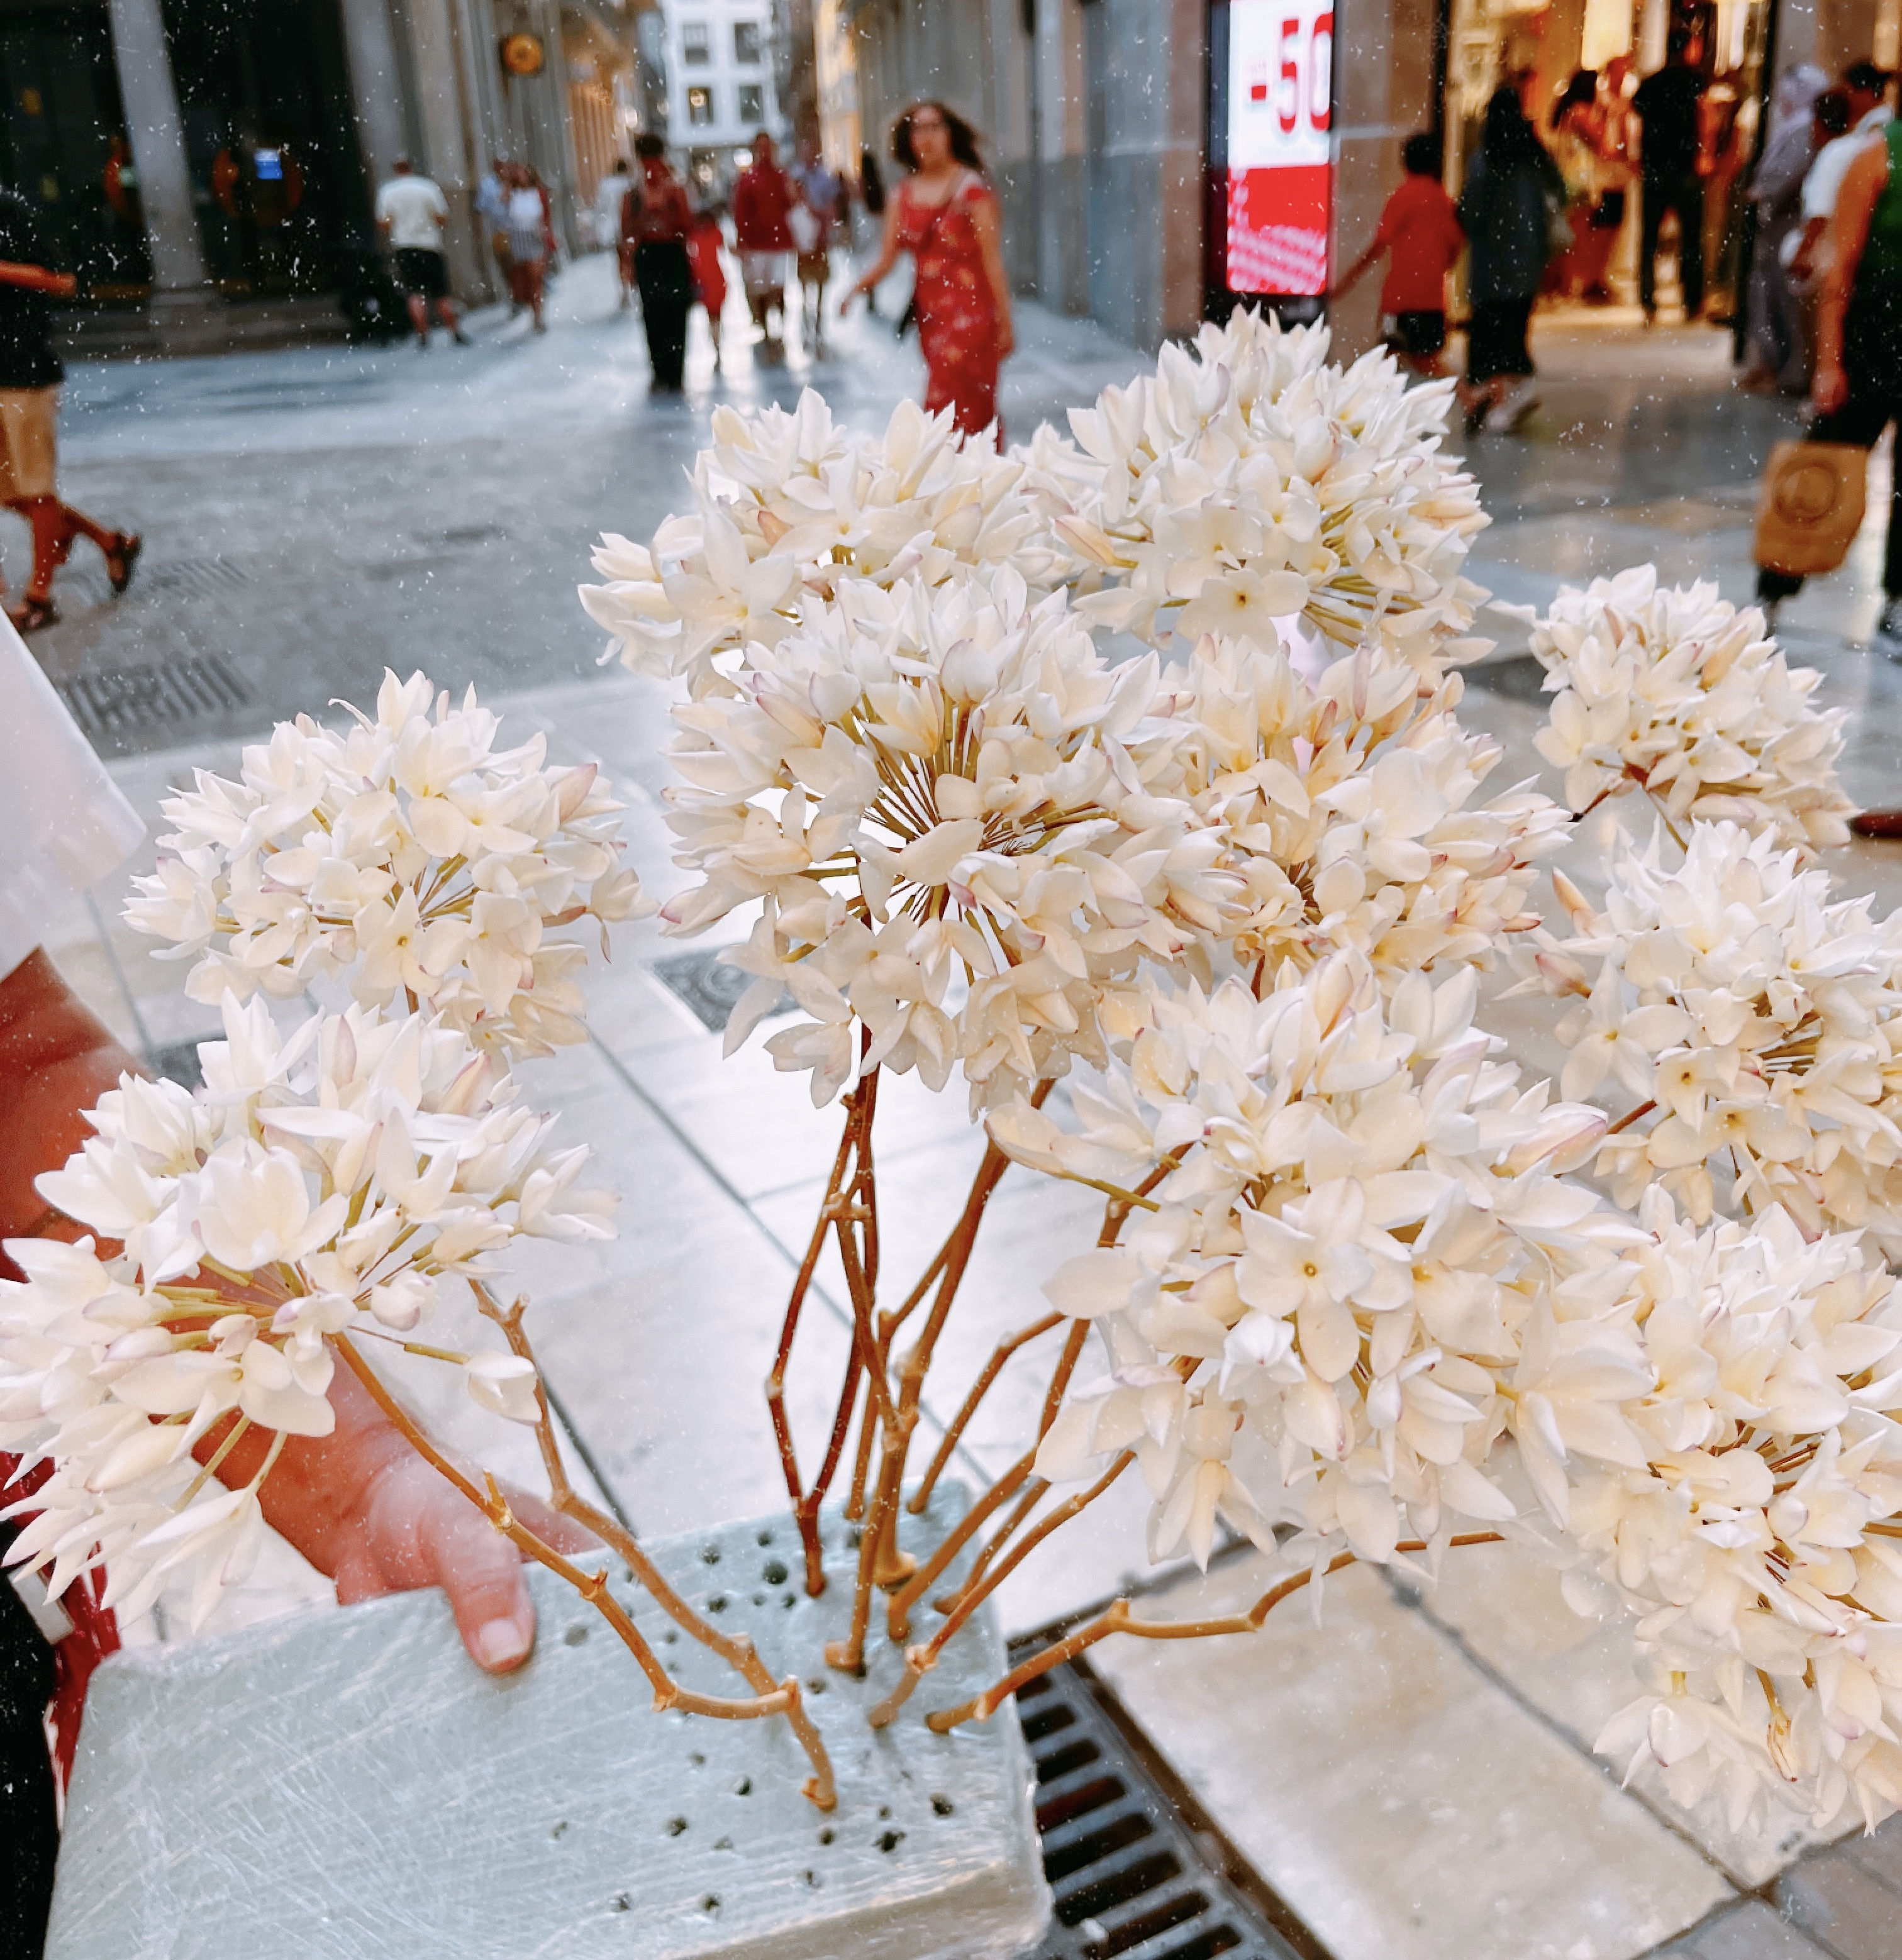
[[367, 1511], [1830, 388]]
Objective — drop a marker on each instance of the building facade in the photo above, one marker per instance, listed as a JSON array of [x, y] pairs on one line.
[[1096, 113], [196, 165], [723, 89]]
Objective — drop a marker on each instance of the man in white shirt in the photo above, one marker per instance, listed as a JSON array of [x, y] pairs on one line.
[[412, 214]]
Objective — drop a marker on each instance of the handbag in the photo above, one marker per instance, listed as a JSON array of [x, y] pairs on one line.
[[1811, 507]]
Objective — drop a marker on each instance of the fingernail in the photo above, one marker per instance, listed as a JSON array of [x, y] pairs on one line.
[[501, 1644]]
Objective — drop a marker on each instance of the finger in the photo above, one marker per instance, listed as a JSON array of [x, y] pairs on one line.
[[481, 1571], [548, 1525]]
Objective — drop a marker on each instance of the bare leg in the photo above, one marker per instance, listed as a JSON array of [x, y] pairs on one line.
[[420, 317]]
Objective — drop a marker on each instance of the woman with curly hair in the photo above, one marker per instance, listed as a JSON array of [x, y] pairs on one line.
[[944, 215]]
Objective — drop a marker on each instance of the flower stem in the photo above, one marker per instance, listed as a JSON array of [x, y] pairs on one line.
[[1116, 1619]]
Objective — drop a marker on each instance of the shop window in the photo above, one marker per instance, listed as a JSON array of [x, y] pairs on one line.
[[752, 103], [699, 106], [696, 49], [746, 43]]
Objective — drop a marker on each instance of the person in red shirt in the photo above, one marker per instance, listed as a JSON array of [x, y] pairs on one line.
[[763, 201], [1420, 231]]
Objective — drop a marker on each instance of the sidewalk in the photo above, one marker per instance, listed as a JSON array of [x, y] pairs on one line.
[[1414, 1778]]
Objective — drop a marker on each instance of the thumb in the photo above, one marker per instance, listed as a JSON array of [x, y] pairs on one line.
[[481, 1572]]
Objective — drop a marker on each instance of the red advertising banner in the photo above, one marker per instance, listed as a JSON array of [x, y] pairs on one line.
[[1280, 93]]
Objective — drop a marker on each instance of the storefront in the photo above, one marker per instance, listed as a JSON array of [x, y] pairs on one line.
[[1538, 46]]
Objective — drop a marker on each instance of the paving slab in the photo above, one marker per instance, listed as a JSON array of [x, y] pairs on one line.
[[1404, 1805]]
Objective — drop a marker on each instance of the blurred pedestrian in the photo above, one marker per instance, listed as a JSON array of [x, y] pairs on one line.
[[1775, 339], [656, 226], [1594, 189], [871, 195], [491, 203], [1669, 151], [1864, 88], [944, 215], [1513, 195], [1857, 391], [31, 373], [412, 214], [610, 196], [763, 201], [820, 191], [531, 241], [1420, 232], [703, 244]]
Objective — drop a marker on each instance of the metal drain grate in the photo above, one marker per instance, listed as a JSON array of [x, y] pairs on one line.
[[708, 989], [1521, 677], [1139, 1874], [189, 578], [179, 691]]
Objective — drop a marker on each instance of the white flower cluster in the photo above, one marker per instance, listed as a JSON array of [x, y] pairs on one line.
[[323, 1182], [937, 797], [791, 510], [1348, 808], [1755, 1025], [1347, 1255], [407, 854], [1674, 692], [1743, 1504], [1247, 484]]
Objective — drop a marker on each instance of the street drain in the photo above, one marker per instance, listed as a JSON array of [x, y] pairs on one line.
[[706, 988], [182, 690], [1519, 677], [186, 577], [1137, 1872]]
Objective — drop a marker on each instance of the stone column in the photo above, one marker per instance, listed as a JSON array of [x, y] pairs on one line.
[[445, 134], [182, 293], [376, 86]]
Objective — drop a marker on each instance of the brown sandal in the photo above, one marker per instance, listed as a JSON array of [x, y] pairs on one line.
[[30, 616], [119, 561]]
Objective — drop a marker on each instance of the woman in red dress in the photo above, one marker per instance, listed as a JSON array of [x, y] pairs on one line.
[[944, 215]]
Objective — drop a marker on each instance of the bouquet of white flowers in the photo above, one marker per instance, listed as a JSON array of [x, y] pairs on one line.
[[1361, 1292]]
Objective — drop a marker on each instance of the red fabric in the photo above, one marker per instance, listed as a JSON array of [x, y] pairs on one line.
[[1420, 231], [957, 310], [761, 200], [660, 211], [94, 1635], [709, 276]]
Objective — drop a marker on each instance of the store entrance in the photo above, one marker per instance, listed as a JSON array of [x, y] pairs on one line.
[[1541, 48], [264, 94]]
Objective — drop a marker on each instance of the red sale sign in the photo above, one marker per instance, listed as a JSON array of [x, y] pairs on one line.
[[1281, 86]]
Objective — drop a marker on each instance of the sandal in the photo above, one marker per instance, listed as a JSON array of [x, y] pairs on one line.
[[32, 614], [119, 561]]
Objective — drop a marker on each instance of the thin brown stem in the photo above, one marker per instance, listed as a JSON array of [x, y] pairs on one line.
[[1116, 1619], [1630, 1116], [784, 1699], [920, 1660], [993, 1369]]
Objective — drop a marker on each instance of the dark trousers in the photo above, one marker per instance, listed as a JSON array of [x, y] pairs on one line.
[[29, 1836], [1685, 196], [666, 281]]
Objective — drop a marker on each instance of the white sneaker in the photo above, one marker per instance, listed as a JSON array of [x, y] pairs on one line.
[[1887, 639], [1511, 408]]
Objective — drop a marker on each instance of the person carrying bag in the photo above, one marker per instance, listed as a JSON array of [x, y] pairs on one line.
[[1813, 491]]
